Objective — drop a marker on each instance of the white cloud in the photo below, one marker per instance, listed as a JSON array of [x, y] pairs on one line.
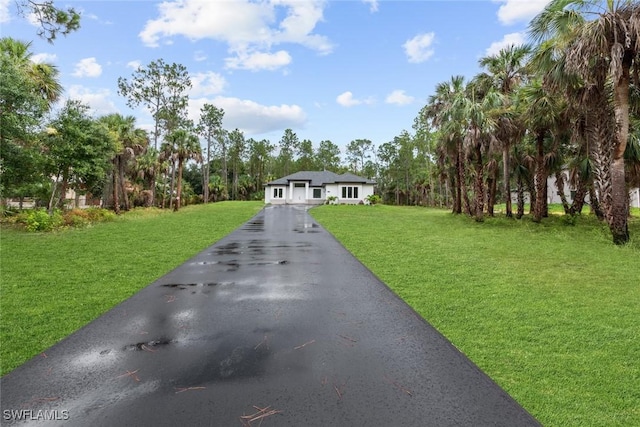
[[88, 67], [418, 49], [346, 99], [199, 56], [250, 117], [513, 11], [134, 64], [398, 97], [373, 5], [40, 58], [99, 101], [249, 28], [515, 39], [5, 16], [259, 61], [208, 83]]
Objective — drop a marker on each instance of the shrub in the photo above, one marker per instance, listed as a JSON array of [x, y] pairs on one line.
[[76, 218], [569, 219], [331, 200], [100, 215], [373, 199], [40, 220]]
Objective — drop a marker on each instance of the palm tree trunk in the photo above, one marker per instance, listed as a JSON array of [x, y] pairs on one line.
[[457, 205], [520, 190], [125, 197], [178, 200], [173, 184], [578, 198], [479, 185], [115, 189], [207, 171], [506, 168], [541, 179], [619, 195], [596, 208], [493, 188]]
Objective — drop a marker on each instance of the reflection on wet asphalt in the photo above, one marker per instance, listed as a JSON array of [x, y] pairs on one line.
[[276, 324]]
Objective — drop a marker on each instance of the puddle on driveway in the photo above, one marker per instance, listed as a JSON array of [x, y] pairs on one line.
[[229, 362], [182, 286], [254, 226], [232, 248], [148, 346]]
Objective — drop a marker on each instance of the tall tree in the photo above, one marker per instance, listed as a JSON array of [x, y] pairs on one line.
[[288, 146], [52, 20], [22, 108], [441, 113], [162, 88], [328, 156], [305, 160], [237, 148], [209, 127], [260, 153], [506, 70], [185, 146], [358, 152], [600, 38], [43, 75], [541, 111], [79, 150], [130, 142], [388, 172]]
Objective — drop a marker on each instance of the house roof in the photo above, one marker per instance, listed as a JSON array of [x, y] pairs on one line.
[[318, 179]]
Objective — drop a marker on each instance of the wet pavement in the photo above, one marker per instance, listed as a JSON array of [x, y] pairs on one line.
[[276, 324]]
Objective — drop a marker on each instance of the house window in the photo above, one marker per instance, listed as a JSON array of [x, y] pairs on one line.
[[277, 193], [317, 193], [349, 192]]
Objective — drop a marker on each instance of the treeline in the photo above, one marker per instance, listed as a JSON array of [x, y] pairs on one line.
[[566, 108], [119, 165]]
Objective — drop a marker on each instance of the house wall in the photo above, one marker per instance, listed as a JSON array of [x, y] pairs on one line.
[[268, 194], [364, 190], [553, 197], [290, 194]]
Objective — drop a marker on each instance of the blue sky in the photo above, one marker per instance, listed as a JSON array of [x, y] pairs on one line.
[[336, 70]]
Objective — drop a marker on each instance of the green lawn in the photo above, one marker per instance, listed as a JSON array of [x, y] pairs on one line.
[[550, 311], [54, 283]]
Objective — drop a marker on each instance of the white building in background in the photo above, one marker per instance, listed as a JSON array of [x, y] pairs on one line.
[[314, 188], [553, 197]]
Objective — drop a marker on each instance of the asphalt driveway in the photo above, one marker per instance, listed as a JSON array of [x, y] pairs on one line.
[[276, 323]]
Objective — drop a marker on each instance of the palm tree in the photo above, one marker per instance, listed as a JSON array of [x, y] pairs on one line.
[[600, 39], [44, 76], [146, 166], [439, 111], [130, 142], [476, 110], [185, 146], [541, 111], [506, 71]]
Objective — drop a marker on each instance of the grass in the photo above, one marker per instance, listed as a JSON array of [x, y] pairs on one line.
[[55, 283], [550, 311]]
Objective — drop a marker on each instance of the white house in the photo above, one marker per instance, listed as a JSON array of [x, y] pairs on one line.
[[314, 188]]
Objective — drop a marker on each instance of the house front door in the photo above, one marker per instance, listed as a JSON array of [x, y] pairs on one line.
[[298, 195]]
